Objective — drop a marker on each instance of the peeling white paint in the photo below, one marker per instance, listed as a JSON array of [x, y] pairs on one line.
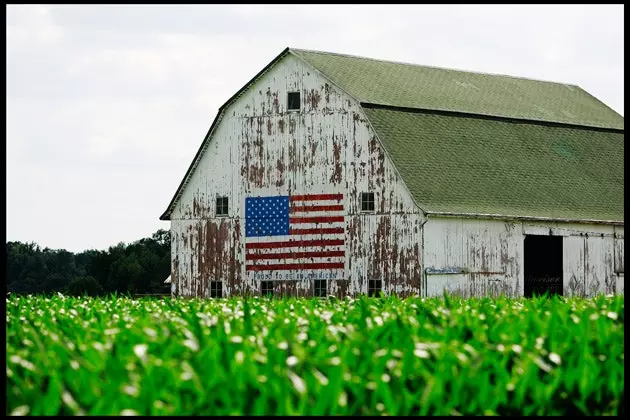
[[260, 149], [489, 253], [490, 256]]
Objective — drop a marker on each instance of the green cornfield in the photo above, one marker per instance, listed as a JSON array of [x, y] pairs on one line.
[[363, 356]]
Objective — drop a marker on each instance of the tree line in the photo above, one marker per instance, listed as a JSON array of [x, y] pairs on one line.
[[136, 268]]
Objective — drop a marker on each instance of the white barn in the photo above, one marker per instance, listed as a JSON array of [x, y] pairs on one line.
[[331, 174]]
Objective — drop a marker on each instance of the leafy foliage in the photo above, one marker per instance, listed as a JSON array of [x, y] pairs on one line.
[[541, 356], [140, 267]]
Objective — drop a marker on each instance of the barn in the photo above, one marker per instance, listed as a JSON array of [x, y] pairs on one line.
[[331, 174]]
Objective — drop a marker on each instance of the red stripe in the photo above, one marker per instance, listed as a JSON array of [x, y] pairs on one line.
[[289, 244], [295, 255], [316, 208], [306, 266], [313, 197], [316, 231], [316, 219]]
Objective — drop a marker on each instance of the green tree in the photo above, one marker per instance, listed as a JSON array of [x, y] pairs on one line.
[[139, 267], [84, 285]]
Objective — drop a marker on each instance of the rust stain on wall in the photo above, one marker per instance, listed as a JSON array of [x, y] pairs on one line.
[[380, 169], [308, 159], [293, 158], [195, 207], [340, 288], [610, 281], [276, 103], [336, 176], [280, 168], [257, 167], [214, 257], [384, 247], [376, 164], [292, 125], [382, 257], [619, 255], [313, 97]]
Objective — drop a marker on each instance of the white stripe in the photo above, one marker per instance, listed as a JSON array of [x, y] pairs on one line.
[[317, 213], [325, 225], [316, 202], [297, 261], [265, 251], [296, 249], [286, 238]]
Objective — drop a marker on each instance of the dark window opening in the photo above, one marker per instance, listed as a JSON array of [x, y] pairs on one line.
[[266, 287], [374, 287], [293, 101], [222, 206], [367, 201], [216, 289], [543, 265], [320, 288]]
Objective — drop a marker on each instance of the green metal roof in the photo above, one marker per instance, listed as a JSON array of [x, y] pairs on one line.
[[459, 164], [421, 87]]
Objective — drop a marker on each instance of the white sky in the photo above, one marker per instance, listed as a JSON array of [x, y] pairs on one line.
[[107, 105]]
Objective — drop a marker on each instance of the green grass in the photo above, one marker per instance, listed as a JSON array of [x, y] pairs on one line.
[[363, 356]]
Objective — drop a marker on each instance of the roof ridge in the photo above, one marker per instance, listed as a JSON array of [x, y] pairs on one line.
[[297, 50]]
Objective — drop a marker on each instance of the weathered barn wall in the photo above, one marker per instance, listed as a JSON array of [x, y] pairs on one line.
[[258, 148], [486, 257], [473, 257], [619, 264], [385, 247], [590, 253]]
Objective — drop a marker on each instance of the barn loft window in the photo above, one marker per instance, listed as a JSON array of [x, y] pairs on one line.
[[216, 289], [266, 287], [320, 288], [375, 287], [222, 206], [367, 201], [293, 101]]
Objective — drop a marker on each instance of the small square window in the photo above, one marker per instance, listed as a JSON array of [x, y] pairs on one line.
[[266, 288], [216, 289], [222, 206], [293, 101], [320, 288], [367, 201], [374, 287]]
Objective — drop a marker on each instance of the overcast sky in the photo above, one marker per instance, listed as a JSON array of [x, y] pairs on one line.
[[107, 105]]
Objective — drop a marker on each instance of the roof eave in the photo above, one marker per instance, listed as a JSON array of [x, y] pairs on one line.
[[524, 218]]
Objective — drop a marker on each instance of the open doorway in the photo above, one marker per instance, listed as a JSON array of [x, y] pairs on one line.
[[543, 265]]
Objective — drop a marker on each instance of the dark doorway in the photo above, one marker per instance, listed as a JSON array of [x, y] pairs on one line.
[[543, 265]]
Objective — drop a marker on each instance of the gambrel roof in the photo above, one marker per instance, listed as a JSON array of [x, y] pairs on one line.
[[430, 88], [481, 144]]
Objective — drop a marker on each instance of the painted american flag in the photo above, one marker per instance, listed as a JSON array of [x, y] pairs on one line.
[[294, 232]]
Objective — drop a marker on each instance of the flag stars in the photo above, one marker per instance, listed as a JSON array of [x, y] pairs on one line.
[[267, 216]]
